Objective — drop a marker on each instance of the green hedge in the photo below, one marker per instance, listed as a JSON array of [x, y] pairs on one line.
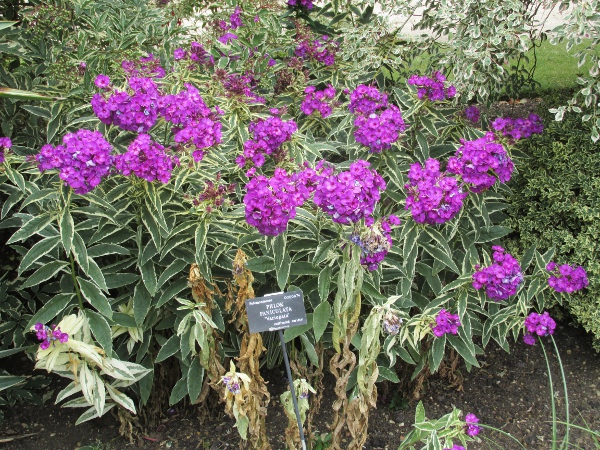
[[556, 202]]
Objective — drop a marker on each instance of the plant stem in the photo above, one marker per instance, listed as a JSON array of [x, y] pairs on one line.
[[502, 432], [551, 397], [564, 380], [75, 282]]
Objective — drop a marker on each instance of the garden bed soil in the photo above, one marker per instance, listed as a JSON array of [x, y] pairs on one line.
[[509, 391]]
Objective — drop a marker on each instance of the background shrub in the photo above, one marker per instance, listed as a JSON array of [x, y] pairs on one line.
[[555, 202]]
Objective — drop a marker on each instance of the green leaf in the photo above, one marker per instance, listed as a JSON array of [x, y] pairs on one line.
[[369, 289], [321, 316], [30, 228], [142, 300], [8, 381], [437, 353], [40, 249], [96, 274], [174, 268], [67, 229], [95, 297], [11, 351], [37, 111], [283, 272], [38, 196], [324, 283], [149, 277], [492, 233], [101, 330], [200, 240], [261, 264], [179, 391], [463, 349], [50, 310], [170, 292], [385, 373], [80, 253], [44, 273], [169, 348], [420, 413], [279, 250], [6, 24], [18, 94], [441, 256], [323, 251], [195, 379], [310, 351]]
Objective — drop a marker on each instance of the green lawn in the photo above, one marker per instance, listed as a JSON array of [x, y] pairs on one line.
[[557, 69]]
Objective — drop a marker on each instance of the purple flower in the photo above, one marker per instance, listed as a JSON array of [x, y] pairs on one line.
[[227, 37], [83, 160], [538, 324], [236, 19], [271, 202], [232, 385], [5, 144], [349, 196], [516, 129], [471, 428], [379, 131], [480, 162], [135, 111], [256, 19], [321, 49], [147, 67], [502, 278], [433, 88], [375, 240], [566, 278], [445, 323], [49, 335], [306, 4], [365, 100], [147, 160], [472, 113], [433, 197], [102, 81], [321, 101], [179, 53]]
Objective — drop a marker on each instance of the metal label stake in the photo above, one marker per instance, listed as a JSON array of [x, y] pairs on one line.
[[278, 312]]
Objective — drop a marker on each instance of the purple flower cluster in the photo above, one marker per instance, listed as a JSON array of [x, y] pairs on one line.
[[5, 144], [502, 278], [516, 129], [365, 100], [391, 323], [375, 241], [433, 88], [227, 38], [146, 159], [378, 125], [479, 162], [433, 197], [148, 67], [321, 49], [538, 324], [472, 113], [318, 101], [268, 135], [197, 54], [271, 202], [351, 195], [83, 159], [308, 4], [238, 85], [195, 123], [232, 385], [445, 323], [135, 111], [471, 427], [214, 195], [566, 278], [49, 335], [379, 131]]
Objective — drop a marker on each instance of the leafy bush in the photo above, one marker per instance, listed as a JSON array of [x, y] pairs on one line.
[[555, 204], [207, 184]]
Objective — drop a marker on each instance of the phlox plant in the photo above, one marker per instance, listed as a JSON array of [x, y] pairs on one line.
[[204, 182]]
